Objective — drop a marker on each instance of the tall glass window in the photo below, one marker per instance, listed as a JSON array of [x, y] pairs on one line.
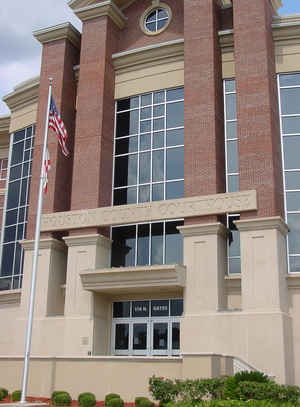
[[16, 208], [289, 104], [232, 173], [148, 163], [148, 166]]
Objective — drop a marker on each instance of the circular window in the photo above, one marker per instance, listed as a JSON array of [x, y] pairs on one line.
[[155, 19]]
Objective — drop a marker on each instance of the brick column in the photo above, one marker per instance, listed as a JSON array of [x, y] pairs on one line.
[[257, 105], [60, 55], [204, 171], [92, 173]]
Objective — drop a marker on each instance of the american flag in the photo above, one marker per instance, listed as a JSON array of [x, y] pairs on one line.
[[56, 124], [46, 168]]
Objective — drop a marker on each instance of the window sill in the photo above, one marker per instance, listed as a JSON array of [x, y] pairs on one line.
[[10, 296]]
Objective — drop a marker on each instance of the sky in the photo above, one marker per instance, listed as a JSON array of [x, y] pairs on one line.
[[20, 52]]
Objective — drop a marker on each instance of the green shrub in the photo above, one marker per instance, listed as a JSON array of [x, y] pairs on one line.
[[54, 394], [163, 390], [232, 382], [87, 399], [138, 400], [61, 398], [3, 393], [146, 403], [109, 397], [115, 402], [16, 395]]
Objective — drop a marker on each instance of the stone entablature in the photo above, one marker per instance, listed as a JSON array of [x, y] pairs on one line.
[[173, 209]]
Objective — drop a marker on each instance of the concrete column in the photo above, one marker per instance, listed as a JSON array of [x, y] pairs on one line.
[[60, 54], [85, 312], [49, 299], [265, 296], [257, 106], [205, 261]]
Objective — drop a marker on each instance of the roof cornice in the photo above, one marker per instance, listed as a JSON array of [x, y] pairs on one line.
[[228, 3], [23, 95], [105, 8], [59, 32], [4, 124]]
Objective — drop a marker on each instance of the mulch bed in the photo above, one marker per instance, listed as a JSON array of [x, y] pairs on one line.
[[48, 401]]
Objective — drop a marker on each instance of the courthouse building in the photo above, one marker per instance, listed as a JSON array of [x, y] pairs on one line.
[[170, 237]]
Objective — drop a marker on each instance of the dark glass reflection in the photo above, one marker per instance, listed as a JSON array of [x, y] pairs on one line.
[[175, 115], [291, 125], [174, 243], [174, 190], [125, 196], [145, 142], [177, 307], [127, 123], [290, 101], [127, 145], [234, 266], [15, 172], [123, 247], [294, 234], [159, 97], [293, 201], [19, 135], [292, 179], [175, 94], [232, 156], [11, 217], [10, 234], [294, 264], [143, 244], [176, 335], [121, 309], [175, 163], [157, 230], [158, 165], [140, 309], [234, 237], [144, 193], [175, 137], [139, 337], [159, 110], [144, 168], [160, 308], [289, 79], [13, 194], [291, 147], [126, 170], [7, 259], [160, 336], [17, 153], [122, 336], [158, 139], [157, 192]]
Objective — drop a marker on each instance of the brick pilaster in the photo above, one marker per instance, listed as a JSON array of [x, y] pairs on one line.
[[60, 55], [257, 105], [203, 106]]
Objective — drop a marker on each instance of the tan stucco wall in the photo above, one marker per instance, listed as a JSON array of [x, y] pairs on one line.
[[23, 117]]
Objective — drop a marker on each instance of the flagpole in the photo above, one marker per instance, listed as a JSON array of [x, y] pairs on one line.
[[35, 258]]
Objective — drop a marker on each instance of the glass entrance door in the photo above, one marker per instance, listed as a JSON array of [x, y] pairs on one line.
[[140, 339], [160, 337]]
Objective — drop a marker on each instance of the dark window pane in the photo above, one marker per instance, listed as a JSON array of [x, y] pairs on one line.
[[158, 165], [126, 145], [175, 163], [162, 13], [125, 196], [144, 168], [16, 282], [152, 16], [174, 243], [230, 85], [21, 231], [23, 198], [145, 141], [176, 307], [15, 172], [19, 135], [290, 101], [291, 125], [28, 143], [146, 113], [232, 157], [231, 130], [29, 131], [158, 139], [160, 336], [122, 336], [175, 115], [293, 201], [139, 340], [161, 24], [126, 170], [11, 217], [159, 97], [143, 245], [151, 27], [140, 309], [292, 180], [175, 94], [157, 243], [291, 148], [294, 264], [13, 194], [175, 137], [7, 259], [145, 126], [174, 190], [27, 155], [18, 255], [234, 266], [123, 247], [231, 107], [157, 192], [144, 193], [10, 234], [127, 104], [160, 308], [127, 123], [176, 335], [289, 79], [233, 183], [158, 110], [158, 124], [5, 284], [25, 171], [121, 309], [234, 237], [146, 99], [294, 234], [17, 153]]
